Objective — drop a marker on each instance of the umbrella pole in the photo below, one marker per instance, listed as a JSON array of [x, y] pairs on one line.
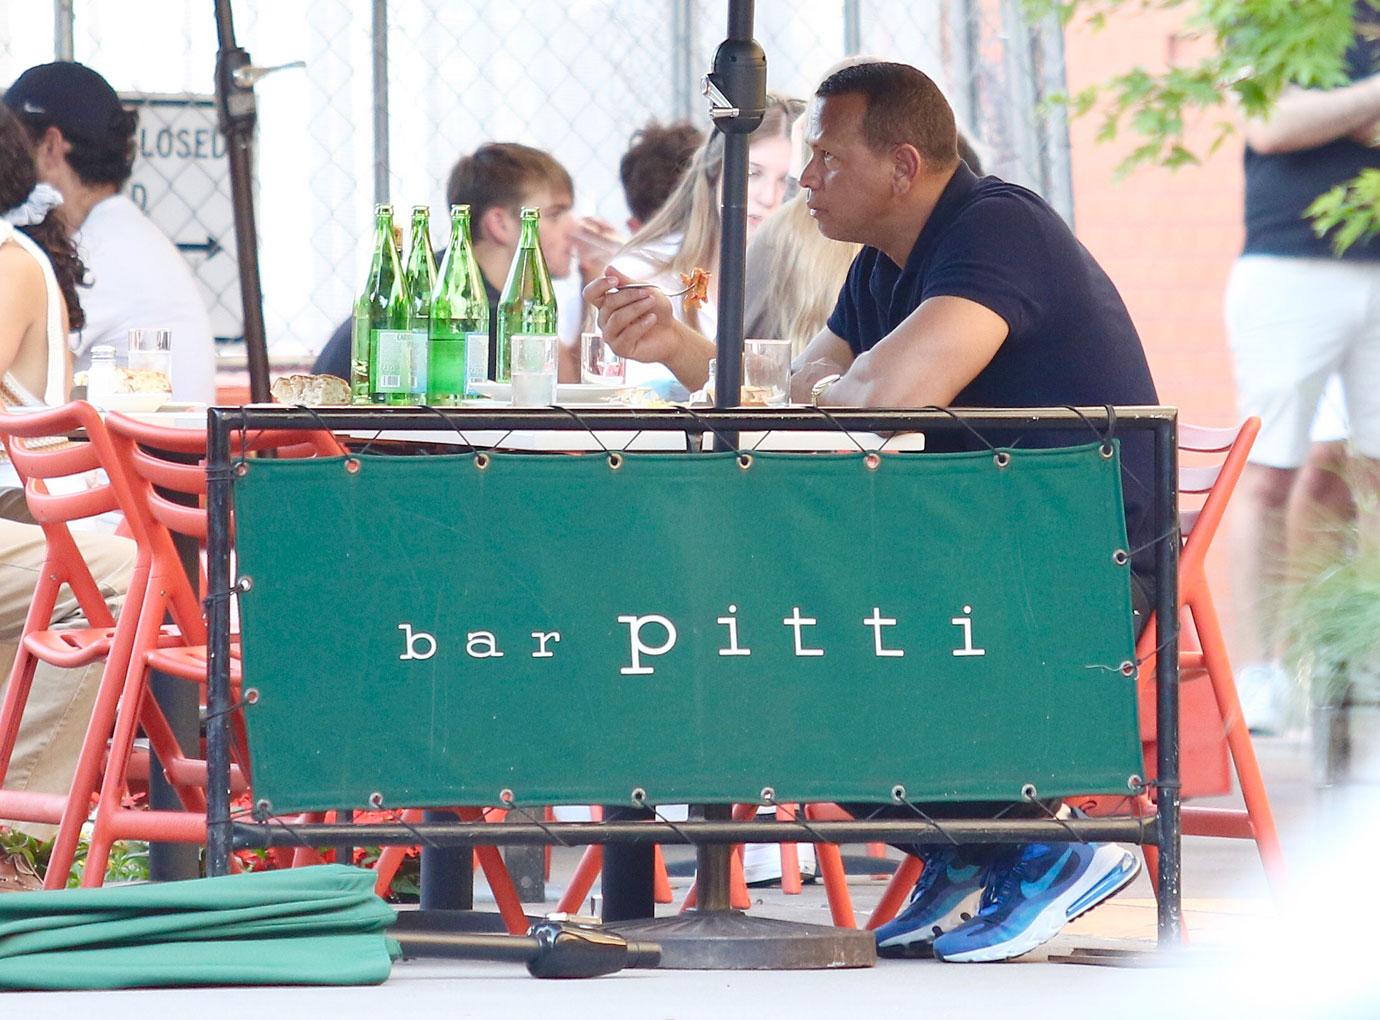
[[714, 936], [237, 113]]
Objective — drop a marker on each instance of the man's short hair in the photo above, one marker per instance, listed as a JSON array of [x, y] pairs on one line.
[[81, 104], [903, 106], [502, 175], [654, 164]]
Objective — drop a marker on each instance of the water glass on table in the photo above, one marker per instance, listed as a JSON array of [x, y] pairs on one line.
[[534, 369], [599, 363], [766, 371], [150, 350]]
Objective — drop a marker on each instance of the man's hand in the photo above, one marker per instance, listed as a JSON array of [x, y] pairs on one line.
[[596, 242], [803, 381]]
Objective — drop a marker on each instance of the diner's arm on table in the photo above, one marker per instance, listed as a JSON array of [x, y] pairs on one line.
[[638, 323], [926, 361]]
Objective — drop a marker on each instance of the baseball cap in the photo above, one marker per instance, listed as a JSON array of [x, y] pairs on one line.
[[75, 98]]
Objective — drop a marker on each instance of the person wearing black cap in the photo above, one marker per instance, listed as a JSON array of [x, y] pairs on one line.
[[84, 146]]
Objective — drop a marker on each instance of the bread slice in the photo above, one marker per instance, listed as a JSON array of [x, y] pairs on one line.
[[312, 390]]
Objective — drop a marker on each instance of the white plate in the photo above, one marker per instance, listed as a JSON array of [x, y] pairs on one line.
[[137, 402], [566, 393]]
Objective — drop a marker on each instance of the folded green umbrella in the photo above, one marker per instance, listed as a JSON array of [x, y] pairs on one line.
[[319, 925]]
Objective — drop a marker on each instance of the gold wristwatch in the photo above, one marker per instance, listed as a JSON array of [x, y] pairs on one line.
[[817, 390]]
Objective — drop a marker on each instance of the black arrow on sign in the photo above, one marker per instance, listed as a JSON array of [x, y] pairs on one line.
[[210, 247]]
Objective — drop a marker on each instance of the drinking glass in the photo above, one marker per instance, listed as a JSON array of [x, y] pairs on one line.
[[599, 363], [766, 371], [150, 350], [534, 369]]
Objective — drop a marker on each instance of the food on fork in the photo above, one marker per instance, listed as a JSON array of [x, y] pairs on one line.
[[312, 390], [696, 283]]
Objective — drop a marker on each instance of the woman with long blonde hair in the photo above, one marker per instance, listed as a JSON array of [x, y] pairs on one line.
[[686, 232]]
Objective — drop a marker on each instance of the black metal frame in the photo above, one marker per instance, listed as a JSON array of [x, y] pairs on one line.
[[1163, 830]]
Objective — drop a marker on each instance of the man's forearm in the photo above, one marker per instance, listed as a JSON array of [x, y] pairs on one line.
[[1307, 118]]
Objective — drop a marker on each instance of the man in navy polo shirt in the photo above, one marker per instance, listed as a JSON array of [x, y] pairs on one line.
[[969, 292]]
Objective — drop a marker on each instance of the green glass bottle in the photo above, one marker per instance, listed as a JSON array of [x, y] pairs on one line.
[[379, 335], [528, 304], [458, 355], [420, 274]]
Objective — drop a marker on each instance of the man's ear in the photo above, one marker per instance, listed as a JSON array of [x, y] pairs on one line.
[[906, 167], [499, 226]]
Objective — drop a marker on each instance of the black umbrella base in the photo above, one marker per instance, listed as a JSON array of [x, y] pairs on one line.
[[731, 940]]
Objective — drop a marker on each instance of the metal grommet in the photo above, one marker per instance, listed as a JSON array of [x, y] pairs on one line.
[[1028, 792], [1128, 668], [745, 460], [263, 808], [1135, 782], [898, 793], [251, 695], [505, 796], [352, 465], [1002, 458], [1107, 450], [376, 800], [768, 794], [481, 461], [872, 460], [245, 583], [241, 469], [1121, 558], [639, 795], [615, 461]]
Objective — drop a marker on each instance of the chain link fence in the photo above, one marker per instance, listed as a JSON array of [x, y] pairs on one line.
[[393, 91]]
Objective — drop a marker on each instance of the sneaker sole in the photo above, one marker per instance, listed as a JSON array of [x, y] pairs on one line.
[[920, 946], [1077, 901]]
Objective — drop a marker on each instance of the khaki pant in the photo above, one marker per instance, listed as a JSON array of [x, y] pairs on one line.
[[60, 701]]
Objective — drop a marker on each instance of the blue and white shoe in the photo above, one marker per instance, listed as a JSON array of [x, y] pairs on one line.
[[1033, 894], [946, 895]]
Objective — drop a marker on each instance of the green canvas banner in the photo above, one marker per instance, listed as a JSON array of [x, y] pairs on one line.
[[424, 631]]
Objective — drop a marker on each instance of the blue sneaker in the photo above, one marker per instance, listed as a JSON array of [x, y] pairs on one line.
[[1033, 894], [946, 895]]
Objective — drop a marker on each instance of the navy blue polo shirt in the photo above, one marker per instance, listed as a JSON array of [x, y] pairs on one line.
[[1071, 340]]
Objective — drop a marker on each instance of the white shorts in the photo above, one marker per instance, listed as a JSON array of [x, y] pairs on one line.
[[1293, 324]]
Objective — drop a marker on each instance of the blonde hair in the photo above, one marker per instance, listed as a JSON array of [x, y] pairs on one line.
[[798, 272], [692, 210]]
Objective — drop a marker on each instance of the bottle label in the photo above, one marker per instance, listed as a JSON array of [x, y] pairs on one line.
[[419, 340], [476, 358], [392, 360]]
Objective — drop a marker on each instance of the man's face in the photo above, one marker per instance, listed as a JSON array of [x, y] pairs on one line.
[[557, 227], [849, 184]]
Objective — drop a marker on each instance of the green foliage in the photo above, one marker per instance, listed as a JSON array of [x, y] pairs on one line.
[[129, 861], [1254, 50], [1334, 621]]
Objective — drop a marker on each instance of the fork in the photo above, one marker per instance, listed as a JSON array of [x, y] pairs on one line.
[[650, 286]]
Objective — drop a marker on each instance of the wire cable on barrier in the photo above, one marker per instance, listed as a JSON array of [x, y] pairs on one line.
[[1172, 533], [976, 434], [898, 794], [538, 822], [800, 818], [570, 412], [839, 425], [1028, 795], [657, 815], [706, 427], [376, 801], [451, 424]]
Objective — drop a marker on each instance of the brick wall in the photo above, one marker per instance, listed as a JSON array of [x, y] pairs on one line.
[[1166, 238]]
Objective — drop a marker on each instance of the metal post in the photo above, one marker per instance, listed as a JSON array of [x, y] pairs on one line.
[[447, 878], [682, 60], [380, 71], [852, 27], [237, 114], [967, 48], [740, 73], [1167, 682], [1047, 40], [63, 18], [218, 485]]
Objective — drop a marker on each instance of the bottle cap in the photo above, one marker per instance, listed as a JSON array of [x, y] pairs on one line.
[[103, 351]]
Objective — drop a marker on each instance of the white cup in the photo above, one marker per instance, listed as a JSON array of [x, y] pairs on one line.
[[534, 369]]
